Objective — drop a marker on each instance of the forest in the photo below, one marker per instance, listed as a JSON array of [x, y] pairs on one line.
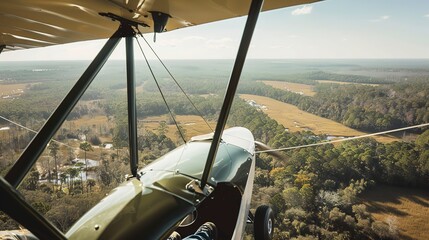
[[362, 107], [315, 191]]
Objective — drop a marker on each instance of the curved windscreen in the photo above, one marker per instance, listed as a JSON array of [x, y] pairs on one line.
[[190, 159]]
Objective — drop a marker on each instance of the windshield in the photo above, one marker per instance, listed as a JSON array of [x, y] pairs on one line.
[[190, 159]]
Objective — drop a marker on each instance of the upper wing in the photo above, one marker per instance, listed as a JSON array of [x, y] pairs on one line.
[[38, 23]]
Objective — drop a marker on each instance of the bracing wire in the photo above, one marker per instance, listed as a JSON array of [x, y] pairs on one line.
[[19, 125], [162, 94], [345, 139], [174, 79], [33, 131]]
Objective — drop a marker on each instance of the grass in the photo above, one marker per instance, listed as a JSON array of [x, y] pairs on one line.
[[194, 125], [408, 206], [305, 89], [338, 82], [11, 89], [297, 120], [96, 123], [87, 121], [139, 89]]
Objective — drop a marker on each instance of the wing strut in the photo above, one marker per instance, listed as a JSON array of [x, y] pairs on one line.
[[131, 95], [252, 18], [30, 155]]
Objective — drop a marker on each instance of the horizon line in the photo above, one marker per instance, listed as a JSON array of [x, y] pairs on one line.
[[190, 59]]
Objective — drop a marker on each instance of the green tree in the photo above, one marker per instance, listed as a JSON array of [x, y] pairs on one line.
[[63, 215], [422, 141], [162, 128], [179, 133], [292, 197], [120, 133], [32, 180], [89, 184], [53, 151], [72, 173], [86, 146], [63, 179]]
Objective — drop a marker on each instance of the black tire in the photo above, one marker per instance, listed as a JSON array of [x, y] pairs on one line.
[[263, 225]]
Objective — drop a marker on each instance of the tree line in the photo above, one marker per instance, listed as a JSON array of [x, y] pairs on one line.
[[362, 107], [316, 191]]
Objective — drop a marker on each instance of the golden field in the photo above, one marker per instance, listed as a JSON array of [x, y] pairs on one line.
[[194, 125], [11, 89], [337, 82], [305, 89], [297, 120], [407, 207], [87, 121]]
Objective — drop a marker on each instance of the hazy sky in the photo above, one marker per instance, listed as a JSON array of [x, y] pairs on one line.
[[328, 29]]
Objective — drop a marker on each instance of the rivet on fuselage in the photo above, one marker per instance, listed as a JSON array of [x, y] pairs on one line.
[[96, 227]]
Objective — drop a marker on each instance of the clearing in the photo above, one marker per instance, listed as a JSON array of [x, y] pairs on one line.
[[87, 121], [194, 125], [299, 88], [11, 90], [99, 124], [408, 207], [338, 82], [297, 120], [139, 89]]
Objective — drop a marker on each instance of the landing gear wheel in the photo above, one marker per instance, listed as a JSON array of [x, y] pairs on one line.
[[263, 225]]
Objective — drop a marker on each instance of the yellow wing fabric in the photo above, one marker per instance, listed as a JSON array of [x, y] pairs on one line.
[[37, 23]]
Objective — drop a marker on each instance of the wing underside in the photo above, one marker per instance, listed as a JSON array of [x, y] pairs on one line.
[[38, 23]]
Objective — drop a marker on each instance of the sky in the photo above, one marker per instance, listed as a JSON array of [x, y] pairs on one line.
[[330, 29]]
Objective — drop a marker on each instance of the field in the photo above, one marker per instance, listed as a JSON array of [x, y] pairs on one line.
[[303, 89], [337, 82], [193, 125], [88, 121], [139, 89], [99, 124], [11, 89], [408, 207], [297, 120]]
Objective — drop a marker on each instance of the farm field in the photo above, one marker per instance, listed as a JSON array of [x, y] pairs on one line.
[[88, 121], [297, 120], [305, 89], [407, 207], [338, 82], [11, 89], [193, 125], [139, 89]]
